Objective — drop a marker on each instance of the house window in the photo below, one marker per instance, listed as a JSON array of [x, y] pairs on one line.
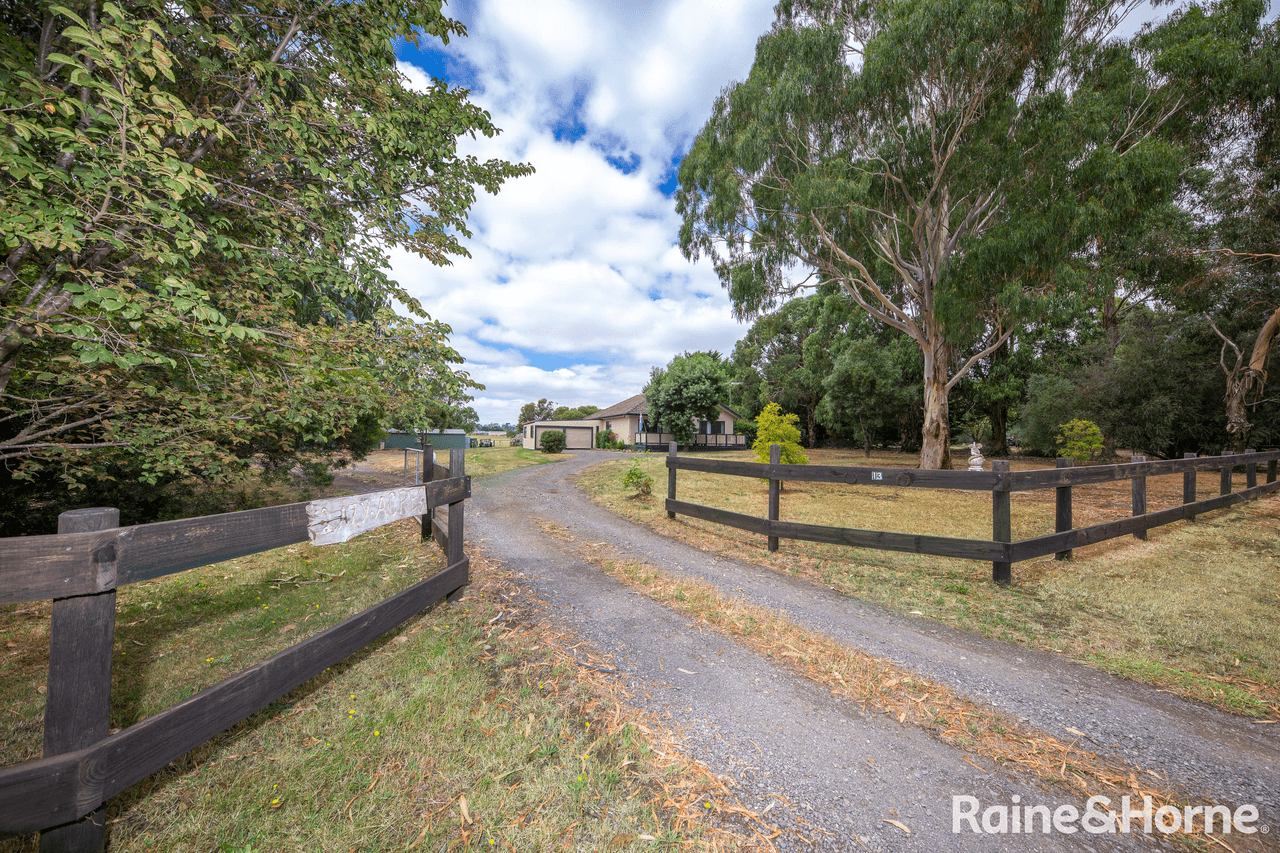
[[717, 428]]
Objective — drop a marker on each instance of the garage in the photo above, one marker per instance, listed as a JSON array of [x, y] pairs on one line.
[[579, 438], [575, 437]]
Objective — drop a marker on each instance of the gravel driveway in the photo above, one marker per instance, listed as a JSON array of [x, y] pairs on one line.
[[841, 774]]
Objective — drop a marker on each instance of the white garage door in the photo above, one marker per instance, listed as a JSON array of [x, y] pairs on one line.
[[579, 438]]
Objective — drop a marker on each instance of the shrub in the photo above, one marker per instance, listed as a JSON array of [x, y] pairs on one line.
[[552, 441], [608, 440], [1079, 440], [773, 427], [636, 479]]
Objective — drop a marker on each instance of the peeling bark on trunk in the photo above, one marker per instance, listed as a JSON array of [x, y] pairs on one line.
[[1244, 379], [935, 451]]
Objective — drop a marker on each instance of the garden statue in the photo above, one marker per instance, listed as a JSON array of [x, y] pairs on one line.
[[975, 457]]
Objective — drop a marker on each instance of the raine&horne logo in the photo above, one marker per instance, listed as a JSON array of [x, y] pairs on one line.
[[1098, 818]]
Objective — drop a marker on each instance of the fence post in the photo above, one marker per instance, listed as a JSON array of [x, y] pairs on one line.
[[1250, 470], [428, 471], [1001, 521], [1227, 470], [775, 490], [672, 452], [1189, 485], [77, 704], [1271, 471], [1138, 494], [1062, 510], [457, 468]]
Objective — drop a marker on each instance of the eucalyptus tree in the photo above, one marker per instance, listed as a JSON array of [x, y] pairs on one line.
[[943, 161], [792, 350], [199, 201], [1224, 59]]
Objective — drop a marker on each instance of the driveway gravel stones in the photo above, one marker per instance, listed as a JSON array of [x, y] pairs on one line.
[[833, 777]]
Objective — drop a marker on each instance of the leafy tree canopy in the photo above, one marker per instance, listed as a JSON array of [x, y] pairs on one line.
[[199, 202], [774, 427], [539, 411], [945, 162], [691, 388]]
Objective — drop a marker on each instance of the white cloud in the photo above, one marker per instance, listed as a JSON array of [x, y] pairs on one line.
[[576, 286]]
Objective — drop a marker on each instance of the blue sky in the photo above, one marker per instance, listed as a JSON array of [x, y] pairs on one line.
[[576, 286]]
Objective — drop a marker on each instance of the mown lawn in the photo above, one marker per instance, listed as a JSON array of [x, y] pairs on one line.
[[1194, 609]]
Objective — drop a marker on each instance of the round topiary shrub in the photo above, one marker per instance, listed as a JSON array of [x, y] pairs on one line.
[[551, 442]]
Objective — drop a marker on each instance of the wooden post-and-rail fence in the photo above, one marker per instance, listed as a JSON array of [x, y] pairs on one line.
[[1000, 550], [62, 795]]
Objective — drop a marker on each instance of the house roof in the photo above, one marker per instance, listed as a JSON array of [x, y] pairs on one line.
[[636, 406], [630, 406]]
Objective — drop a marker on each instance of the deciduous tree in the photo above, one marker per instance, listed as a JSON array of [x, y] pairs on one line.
[[199, 198]]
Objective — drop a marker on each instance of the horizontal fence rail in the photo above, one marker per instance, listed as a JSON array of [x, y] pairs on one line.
[[1001, 482], [81, 568], [38, 568]]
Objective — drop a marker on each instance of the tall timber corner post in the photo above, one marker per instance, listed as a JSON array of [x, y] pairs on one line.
[[1001, 521], [454, 553], [77, 709], [671, 475]]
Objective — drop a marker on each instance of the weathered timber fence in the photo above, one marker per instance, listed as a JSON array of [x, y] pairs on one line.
[[62, 795], [1001, 550]]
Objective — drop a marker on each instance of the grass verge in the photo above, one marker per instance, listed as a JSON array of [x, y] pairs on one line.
[[471, 727], [985, 734], [481, 461], [1193, 610]]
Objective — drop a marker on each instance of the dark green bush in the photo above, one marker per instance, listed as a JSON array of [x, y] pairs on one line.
[[552, 441]]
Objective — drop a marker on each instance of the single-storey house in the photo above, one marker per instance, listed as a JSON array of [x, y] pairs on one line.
[[628, 421]]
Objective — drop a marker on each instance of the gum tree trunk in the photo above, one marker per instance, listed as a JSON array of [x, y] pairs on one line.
[[1246, 378], [935, 451]]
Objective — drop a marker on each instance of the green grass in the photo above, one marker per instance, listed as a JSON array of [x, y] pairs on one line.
[[373, 754], [481, 461], [1195, 609]]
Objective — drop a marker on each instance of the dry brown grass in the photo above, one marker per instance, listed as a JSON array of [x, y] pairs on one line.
[[481, 461], [475, 726], [982, 734], [1194, 609]]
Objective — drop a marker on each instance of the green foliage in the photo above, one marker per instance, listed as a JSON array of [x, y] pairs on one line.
[[773, 427], [1079, 440], [539, 411], [608, 440], [423, 393], [637, 480], [788, 354], [200, 200], [552, 441], [564, 413], [1051, 401], [954, 220], [865, 392], [691, 388]]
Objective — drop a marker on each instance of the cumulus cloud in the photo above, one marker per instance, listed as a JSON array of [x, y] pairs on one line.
[[576, 287]]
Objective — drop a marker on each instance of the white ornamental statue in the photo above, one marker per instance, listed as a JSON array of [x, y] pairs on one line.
[[975, 457]]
